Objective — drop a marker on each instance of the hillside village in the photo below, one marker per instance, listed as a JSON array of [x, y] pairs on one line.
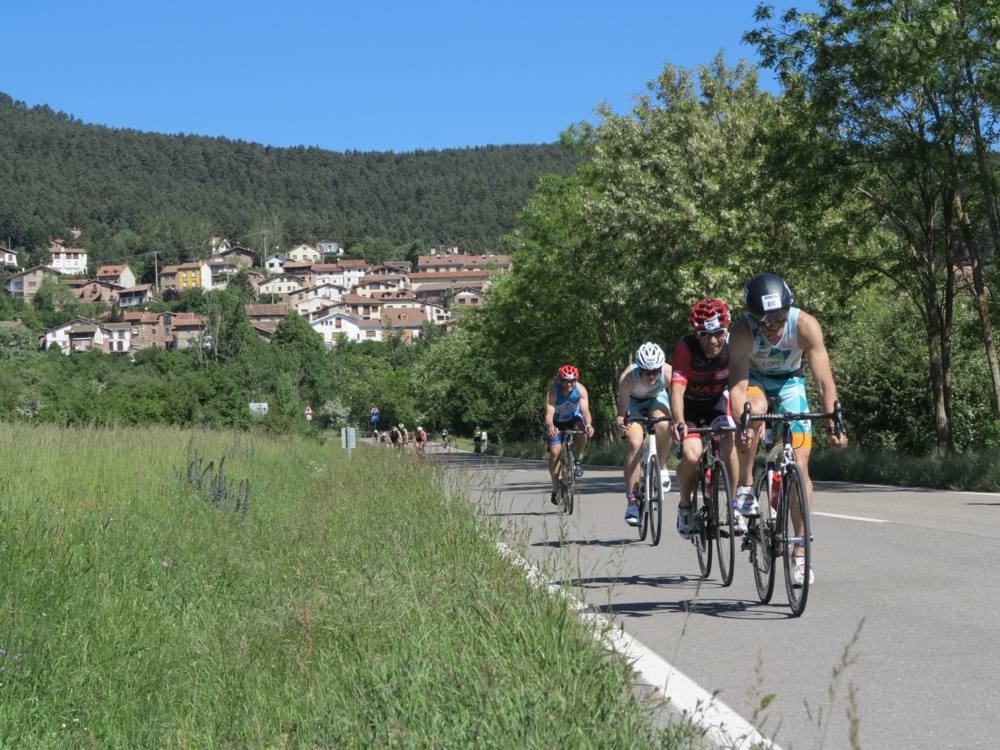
[[342, 299]]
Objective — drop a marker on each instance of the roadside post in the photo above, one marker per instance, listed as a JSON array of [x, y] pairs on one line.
[[348, 439], [309, 413]]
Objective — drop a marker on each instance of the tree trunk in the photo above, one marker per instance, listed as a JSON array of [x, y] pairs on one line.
[[981, 298]]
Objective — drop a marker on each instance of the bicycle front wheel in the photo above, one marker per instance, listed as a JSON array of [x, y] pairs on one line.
[[722, 521], [795, 536], [567, 481], [654, 500], [761, 547], [699, 537]]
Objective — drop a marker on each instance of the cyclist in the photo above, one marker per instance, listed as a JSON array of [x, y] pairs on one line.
[[373, 416], [643, 386], [404, 433], [765, 355], [395, 437], [419, 438], [699, 398], [479, 441], [567, 407], [445, 440]]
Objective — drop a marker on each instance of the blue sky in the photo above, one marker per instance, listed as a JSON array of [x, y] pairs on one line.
[[365, 76]]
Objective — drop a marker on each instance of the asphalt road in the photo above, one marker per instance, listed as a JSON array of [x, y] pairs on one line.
[[903, 614]]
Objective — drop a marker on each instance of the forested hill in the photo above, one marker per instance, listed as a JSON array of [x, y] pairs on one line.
[[169, 190]]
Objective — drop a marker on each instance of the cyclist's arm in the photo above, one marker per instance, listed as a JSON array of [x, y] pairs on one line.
[[550, 412], [740, 346], [624, 394], [811, 342], [679, 382], [585, 411]]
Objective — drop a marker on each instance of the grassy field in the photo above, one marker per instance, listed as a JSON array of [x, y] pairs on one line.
[[344, 604]]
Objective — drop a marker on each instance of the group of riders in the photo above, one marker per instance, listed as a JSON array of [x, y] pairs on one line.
[[716, 369], [397, 435]]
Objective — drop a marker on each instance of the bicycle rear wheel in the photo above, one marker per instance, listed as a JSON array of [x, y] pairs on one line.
[[699, 537], [761, 546], [795, 503], [722, 521], [654, 500]]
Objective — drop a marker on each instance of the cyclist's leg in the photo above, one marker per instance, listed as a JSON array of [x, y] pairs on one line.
[[579, 441], [792, 398], [687, 469], [757, 397], [633, 452], [555, 448], [664, 430]]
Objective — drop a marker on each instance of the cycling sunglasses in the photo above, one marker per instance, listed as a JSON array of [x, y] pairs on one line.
[[773, 319], [719, 333], [644, 371]]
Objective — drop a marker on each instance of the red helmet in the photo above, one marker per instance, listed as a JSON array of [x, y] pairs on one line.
[[709, 315], [568, 372]]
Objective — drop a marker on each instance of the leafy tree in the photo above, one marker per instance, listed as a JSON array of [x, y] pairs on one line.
[[898, 101]]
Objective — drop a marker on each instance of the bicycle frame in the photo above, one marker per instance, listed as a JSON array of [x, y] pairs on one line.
[[567, 477]]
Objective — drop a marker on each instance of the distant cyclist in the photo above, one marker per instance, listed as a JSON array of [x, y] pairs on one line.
[[765, 364], [567, 407], [642, 386], [395, 437], [699, 398], [479, 441], [404, 433], [373, 417], [419, 438], [445, 440]]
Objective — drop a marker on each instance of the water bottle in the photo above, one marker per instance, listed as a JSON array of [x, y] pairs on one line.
[[775, 489]]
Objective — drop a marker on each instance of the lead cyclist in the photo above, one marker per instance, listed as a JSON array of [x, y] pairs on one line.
[[765, 364]]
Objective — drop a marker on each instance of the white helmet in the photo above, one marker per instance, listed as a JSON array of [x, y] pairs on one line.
[[649, 356], [419, 428]]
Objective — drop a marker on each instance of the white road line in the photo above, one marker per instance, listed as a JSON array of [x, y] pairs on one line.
[[722, 724], [851, 518]]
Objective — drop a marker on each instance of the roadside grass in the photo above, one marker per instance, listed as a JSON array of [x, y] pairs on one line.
[[357, 603], [979, 470]]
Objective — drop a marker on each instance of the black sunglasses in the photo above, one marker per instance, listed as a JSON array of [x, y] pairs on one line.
[[644, 371], [719, 334], [773, 318]]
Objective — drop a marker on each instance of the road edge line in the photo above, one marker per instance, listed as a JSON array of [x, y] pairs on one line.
[[721, 723]]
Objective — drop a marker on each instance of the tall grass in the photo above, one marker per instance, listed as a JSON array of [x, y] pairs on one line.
[[356, 604], [978, 470]]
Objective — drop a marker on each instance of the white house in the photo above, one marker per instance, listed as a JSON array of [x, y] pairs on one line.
[[305, 254], [78, 335], [276, 263], [328, 247], [119, 275], [280, 284], [335, 324], [9, 258], [68, 260]]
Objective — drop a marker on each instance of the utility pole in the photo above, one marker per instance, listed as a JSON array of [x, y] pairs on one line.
[[156, 271]]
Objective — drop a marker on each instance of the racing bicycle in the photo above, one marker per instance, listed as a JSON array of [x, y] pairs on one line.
[[650, 495], [567, 493], [714, 514], [783, 527]]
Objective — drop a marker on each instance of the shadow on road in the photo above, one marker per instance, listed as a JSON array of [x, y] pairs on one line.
[[725, 608], [586, 542]]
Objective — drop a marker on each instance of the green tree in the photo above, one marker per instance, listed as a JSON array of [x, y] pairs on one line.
[[893, 94]]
